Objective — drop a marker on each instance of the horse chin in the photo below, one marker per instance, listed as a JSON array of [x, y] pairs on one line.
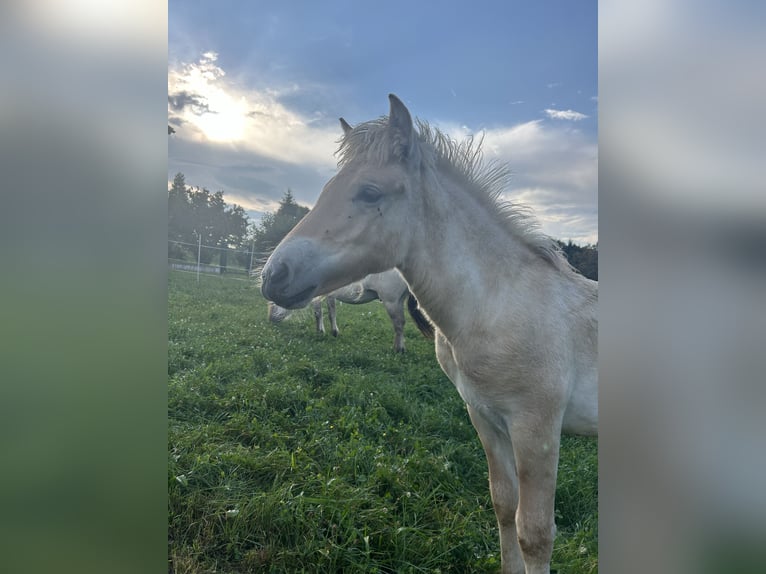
[[295, 300]]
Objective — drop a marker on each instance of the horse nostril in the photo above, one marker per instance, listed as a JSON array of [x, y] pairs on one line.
[[280, 274]]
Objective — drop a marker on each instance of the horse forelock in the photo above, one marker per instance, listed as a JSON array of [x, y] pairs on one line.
[[372, 142]]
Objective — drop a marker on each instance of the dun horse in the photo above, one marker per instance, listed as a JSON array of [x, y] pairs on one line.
[[388, 287], [516, 326]]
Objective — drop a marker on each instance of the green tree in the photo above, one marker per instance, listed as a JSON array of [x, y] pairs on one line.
[[274, 226], [179, 218], [195, 213], [584, 259]]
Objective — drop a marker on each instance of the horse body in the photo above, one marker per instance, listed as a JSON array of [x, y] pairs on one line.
[[516, 327], [389, 287]]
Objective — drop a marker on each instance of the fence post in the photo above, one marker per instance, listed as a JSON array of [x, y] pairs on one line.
[[199, 253], [250, 269]]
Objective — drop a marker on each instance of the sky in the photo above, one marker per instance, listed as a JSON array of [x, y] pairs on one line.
[[255, 90]]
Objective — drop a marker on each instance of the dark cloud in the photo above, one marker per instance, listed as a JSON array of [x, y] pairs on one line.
[[183, 100], [256, 181]]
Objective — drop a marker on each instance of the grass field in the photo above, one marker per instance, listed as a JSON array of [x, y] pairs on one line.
[[293, 452]]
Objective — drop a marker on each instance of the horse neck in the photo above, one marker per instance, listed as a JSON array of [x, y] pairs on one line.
[[462, 254]]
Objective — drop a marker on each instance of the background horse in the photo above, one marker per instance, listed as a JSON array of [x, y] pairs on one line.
[[516, 326], [388, 287]]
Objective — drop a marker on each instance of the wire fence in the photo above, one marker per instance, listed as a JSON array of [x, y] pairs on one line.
[[200, 258]]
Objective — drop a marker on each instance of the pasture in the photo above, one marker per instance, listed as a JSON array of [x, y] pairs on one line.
[[295, 452]]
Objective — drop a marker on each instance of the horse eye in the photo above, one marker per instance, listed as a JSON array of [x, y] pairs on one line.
[[369, 195]]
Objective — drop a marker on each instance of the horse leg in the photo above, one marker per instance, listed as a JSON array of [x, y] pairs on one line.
[[536, 441], [396, 313], [504, 488], [317, 306], [503, 481], [331, 312]]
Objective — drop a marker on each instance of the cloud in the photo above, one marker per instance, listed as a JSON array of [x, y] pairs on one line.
[[261, 146], [254, 181], [555, 172], [184, 100], [246, 141], [216, 109], [565, 115], [558, 217]]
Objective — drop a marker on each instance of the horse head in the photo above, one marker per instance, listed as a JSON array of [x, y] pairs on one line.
[[360, 222]]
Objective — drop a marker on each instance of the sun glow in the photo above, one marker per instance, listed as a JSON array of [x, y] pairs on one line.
[[204, 102], [227, 123], [208, 105]]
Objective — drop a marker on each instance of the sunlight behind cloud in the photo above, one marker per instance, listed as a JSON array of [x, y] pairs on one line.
[[269, 146], [229, 123], [206, 106]]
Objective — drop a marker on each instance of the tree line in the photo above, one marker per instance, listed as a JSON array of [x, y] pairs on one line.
[[195, 213], [582, 258]]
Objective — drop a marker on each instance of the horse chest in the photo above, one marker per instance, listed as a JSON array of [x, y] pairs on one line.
[[473, 394], [468, 391]]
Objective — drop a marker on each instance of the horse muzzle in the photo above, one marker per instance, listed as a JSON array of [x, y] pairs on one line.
[[288, 283]]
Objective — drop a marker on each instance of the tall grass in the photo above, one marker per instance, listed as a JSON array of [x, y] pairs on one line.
[[295, 452]]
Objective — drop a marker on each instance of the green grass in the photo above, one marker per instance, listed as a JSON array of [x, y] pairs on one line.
[[294, 452]]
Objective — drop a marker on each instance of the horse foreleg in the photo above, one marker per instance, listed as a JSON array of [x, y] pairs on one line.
[[316, 304], [331, 312], [504, 488], [536, 443], [503, 480], [396, 313]]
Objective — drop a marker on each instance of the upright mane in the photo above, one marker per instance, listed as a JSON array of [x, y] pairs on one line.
[[372, 142]]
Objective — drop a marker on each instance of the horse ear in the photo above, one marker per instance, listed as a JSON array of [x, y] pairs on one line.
[[346, 126], [400, 122]]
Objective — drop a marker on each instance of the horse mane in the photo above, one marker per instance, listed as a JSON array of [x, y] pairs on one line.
[[372, 141]]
